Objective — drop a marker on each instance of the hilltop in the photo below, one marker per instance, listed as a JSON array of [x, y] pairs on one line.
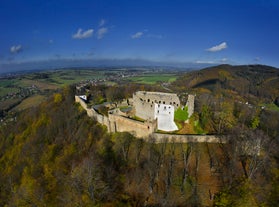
[[248, 81], [53, 154]]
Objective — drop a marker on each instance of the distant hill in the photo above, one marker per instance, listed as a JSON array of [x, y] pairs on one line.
[[258, 80]]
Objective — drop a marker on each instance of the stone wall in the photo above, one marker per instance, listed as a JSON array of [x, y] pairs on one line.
[[159, 138], [137, 128], [190, 104], [144, 101], [94, 114], [115, 122]]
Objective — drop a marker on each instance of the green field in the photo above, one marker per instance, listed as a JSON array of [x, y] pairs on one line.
[[30, 102], [39, 84], [63, 78], [181, 114], [271, 106], [153, 78]]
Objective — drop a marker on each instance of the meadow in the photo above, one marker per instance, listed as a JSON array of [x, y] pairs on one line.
[[153, 78]]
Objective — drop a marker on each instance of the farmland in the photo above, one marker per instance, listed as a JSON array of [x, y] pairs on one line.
[[21, 91], [154, 78]]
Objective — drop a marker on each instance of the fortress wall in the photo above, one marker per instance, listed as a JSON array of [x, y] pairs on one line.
[[158, 97], [187, 138], [81, 102], [89, 112], [94, 114], [144, 102], [137, 128], [144, 110]]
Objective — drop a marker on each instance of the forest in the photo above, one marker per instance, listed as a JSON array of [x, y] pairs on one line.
[[54, 155]]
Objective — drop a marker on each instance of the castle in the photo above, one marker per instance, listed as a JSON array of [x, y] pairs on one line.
[[149, 112]]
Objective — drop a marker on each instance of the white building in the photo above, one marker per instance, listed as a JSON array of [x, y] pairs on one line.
[[165, 117]]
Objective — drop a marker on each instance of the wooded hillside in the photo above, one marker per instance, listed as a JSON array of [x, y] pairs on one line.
[[250, 81], [54, 155]]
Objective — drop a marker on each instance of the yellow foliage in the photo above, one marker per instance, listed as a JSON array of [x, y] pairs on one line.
[[43, 120], [80, 109], [225, 75], [57, 98]]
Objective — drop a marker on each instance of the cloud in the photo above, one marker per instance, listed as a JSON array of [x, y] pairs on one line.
[[204, 62], [102, 22], [257, 59], [219, 47], [224, 59], [137, 35], [101, 32], [50, 41], [16, 49], [83, 34]]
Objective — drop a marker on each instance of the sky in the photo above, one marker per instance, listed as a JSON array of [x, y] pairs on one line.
[[57, 33]]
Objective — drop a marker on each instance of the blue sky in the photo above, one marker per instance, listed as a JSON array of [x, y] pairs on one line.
[[173, 31]]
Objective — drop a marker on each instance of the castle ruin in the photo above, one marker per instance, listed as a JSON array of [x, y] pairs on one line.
[[144, 102], [154, 109]]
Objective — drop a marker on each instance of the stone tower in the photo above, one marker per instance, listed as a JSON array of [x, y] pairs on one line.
[[190, 105]]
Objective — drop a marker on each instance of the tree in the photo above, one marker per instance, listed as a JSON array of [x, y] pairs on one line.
[[186, 151], [251, 148], [122, 144]]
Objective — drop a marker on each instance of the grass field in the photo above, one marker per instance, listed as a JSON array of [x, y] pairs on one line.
[[8, 103], [153, 78], [46, 81], [272, 107], [63, 78], [30, 102], [4, 90], [41, 84]]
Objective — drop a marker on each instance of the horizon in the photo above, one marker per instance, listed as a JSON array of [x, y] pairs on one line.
[[192, 34], [37, 66]]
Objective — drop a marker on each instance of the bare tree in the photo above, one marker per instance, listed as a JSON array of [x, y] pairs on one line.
[[139, 144], [168, 180], [186, 151], [250, 148]]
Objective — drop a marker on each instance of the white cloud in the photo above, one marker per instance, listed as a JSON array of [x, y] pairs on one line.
[[224, 59], [102, 22], [205, 62], [137, 35], [257, 59], [16, 49], [101, 32], [219, 47], [83, 34]]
